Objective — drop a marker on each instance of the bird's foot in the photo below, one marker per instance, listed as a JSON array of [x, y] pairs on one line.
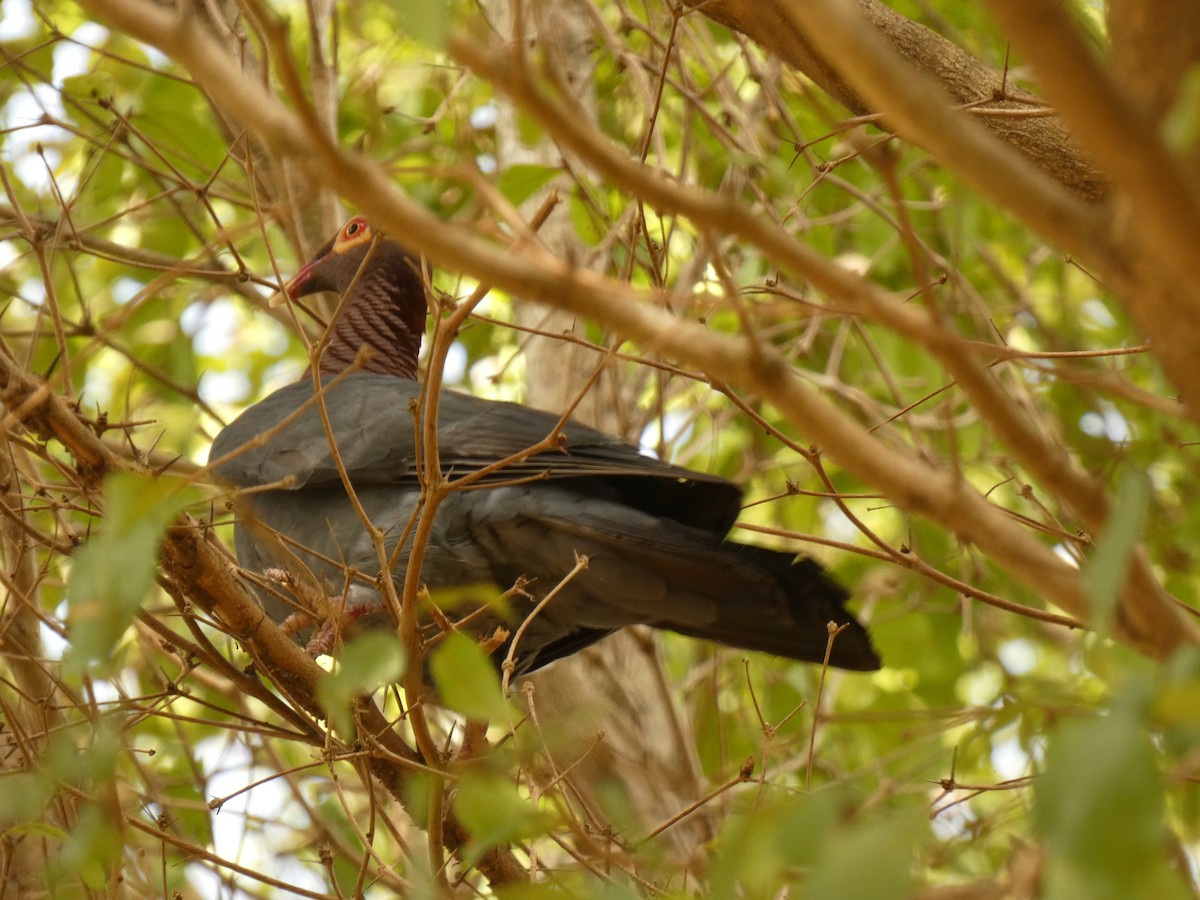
[[325, 639]]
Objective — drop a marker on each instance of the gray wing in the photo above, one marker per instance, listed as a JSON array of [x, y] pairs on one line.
[[374, 423]]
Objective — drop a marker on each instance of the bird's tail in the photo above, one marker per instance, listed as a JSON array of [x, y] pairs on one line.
[[803, 618]]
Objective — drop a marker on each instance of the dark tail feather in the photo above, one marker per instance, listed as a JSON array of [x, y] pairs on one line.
[[797, 627]]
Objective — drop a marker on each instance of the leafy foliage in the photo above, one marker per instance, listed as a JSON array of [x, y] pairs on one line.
[[1001, 748]]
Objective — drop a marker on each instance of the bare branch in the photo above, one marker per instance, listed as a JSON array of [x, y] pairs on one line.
[[967, 80], [913, 485]]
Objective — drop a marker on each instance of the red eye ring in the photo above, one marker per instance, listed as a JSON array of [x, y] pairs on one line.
[[353, 232]]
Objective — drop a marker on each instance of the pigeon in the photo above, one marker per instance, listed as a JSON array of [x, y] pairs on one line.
[[540, 554]]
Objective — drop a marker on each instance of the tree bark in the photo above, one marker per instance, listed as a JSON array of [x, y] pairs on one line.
[[1042, 140]]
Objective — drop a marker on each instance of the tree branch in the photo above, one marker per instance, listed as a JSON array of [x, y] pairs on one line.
[[914, 486], [1043, 142], [1159, 216]]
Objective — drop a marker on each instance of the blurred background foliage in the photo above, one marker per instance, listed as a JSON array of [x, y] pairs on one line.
[[994, 755]]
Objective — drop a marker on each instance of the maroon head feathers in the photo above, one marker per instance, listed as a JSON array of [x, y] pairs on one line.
[[383, 304]]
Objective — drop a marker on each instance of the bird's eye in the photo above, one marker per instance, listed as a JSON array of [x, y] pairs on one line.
[[352, 229]]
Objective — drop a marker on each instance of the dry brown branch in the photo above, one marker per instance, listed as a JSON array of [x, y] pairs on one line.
[[911, 484], [199, 572], [1160, 197], [966, 79], [1148, 611], [1151, 266], [919, 109], [854, 318]]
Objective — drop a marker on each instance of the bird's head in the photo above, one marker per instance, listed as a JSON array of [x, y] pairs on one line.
[[336, 265], [383, 306]]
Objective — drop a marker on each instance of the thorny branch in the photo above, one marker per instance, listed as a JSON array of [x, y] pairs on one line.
[[910, 483]]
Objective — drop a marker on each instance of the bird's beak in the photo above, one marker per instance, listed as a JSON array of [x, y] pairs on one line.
[[294, 287]]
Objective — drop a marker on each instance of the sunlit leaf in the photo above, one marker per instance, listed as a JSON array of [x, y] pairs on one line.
[[888, 842], [493, 811], [1105, 571], [92, 848], [364, 664], [89, 87], [466, 680], [759, 852], [1181, 128], [427, 22], [582, 220], [521, 181], [1100, 807], [113, 573]]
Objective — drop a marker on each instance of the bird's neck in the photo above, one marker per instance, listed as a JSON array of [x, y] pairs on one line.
[[385, 321]]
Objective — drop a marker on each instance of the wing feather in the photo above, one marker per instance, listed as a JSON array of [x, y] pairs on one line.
[[373, 421]]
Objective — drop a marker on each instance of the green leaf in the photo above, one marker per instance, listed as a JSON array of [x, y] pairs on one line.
[[427, 22], [105, 179], [363, 664], [38, 829], [568, 884], [529, 129], [583, 222], [1181, 127], [89, 86], [888, 843], [174, 114], [1100, 808], [26, 795], [493, 811], [761, 852], [1105, 571], [467, 681], [1177, 700], [521, 181], [757, 851], [93, 847], [113, 573], [466, 598]]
